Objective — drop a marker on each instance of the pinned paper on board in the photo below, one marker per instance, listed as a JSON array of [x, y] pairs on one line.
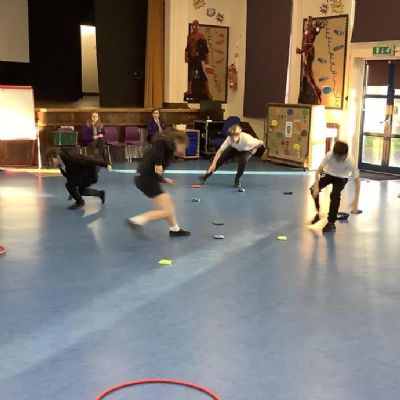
[[289, 129]]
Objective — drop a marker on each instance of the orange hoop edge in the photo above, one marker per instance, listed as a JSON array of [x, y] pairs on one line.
[[166, 381]]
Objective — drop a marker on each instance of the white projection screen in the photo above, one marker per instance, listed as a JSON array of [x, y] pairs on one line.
[[17, 113], [14, 31]]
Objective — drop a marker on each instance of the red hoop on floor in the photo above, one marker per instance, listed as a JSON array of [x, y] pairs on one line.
[[2, 251], [165, 381]]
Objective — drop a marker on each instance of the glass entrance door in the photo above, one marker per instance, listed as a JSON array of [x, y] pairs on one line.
[[380, 127]]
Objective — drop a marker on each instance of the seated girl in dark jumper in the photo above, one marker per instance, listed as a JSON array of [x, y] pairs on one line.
[[92, 135], [155, 126], [149, 178]]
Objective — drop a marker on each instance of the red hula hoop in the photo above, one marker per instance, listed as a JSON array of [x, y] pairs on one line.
[[166, 381]]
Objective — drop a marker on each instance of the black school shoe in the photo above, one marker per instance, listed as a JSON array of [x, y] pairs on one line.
[[181, 232], [329, 227], [202, 179], [77, 205], [315, 220], [237, 184]]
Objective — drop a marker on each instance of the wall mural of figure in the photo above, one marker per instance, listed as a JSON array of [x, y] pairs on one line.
[[196, 52], [310, 93]]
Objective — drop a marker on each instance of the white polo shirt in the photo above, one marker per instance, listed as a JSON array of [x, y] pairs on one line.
[[340, 169], [245, 143]]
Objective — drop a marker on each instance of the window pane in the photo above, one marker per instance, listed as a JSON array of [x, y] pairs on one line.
[[378, 77], [372, 150], [374, 116], [394, 159], [379, 90], [396, 117], [397, 79]]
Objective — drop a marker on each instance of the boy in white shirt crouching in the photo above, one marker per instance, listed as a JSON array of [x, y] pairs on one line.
[[335, 169], [239, 144]]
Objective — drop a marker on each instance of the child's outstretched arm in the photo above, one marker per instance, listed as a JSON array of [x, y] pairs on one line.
[[318, 172], [222, 148]]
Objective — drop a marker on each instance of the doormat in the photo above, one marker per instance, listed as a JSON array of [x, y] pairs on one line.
[[375, 176]]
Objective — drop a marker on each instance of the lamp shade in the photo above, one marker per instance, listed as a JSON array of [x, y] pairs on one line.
[[17, 113]]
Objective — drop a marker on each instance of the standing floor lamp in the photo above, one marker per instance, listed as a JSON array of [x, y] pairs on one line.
[[17, 126]]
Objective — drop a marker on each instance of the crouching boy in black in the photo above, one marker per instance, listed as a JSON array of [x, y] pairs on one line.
[[81, 173]]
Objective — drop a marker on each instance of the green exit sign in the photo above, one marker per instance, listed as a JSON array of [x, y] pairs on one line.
[[382, 51]]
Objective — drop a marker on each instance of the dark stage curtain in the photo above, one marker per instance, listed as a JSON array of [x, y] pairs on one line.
[[267, 54], [55, 49], [154, 84], [121, 51], [376, 21]]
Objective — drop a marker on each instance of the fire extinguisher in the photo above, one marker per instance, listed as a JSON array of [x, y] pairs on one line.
[[232, 76]]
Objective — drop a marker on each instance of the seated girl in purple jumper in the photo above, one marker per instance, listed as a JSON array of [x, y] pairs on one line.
[[155, 126], [93, 135]]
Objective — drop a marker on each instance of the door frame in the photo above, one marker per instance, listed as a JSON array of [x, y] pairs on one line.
[[386, 137]]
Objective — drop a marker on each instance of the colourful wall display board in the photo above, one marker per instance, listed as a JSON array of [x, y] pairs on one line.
[[288, 133]]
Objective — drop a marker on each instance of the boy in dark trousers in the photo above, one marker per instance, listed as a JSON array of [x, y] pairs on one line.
[[335, 169], [81, 173], [238, 144]]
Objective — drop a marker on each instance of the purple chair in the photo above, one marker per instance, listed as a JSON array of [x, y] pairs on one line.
[[133, 140], [111, 137]]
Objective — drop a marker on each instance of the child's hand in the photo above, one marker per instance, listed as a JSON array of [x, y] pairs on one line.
[[169, 181], [315, 192], [354, 206], [158, 169]]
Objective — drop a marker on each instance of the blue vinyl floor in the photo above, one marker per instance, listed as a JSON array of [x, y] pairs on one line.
[[84, 304]]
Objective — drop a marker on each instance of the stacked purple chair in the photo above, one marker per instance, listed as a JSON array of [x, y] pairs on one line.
[[133, 140], [111, 137]]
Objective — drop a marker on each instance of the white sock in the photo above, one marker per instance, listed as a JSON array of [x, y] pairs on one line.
[[138, 220], [175, 228]]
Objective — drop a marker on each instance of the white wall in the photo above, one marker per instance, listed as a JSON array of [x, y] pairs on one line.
[[302, 9], [176, 31], [349, 118], [90, 81], [14, 31], [179, 13]]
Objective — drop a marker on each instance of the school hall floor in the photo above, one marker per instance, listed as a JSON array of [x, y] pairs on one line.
[[85, 304]]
